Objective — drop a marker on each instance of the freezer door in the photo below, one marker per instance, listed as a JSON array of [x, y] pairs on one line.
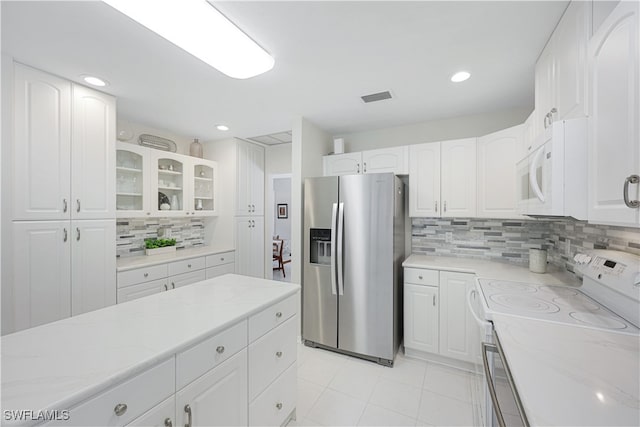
[[366, 301], [319, 287]]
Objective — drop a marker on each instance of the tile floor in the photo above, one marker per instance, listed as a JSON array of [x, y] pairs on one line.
[[338, 390], [277, 274]]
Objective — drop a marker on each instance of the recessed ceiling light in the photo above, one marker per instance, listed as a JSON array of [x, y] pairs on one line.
[[222, 127], [460, 76], [95, 81], [198, 28]]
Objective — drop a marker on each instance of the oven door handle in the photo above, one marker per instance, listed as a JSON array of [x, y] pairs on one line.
[[473, 294], [490, 384]]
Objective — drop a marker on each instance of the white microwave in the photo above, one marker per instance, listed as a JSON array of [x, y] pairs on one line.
[[552, 180]]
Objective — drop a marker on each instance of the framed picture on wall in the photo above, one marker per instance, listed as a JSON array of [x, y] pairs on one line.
[[283, 211]]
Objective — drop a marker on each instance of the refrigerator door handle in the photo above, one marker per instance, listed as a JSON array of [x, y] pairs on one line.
[[334, 215], [339, 248]]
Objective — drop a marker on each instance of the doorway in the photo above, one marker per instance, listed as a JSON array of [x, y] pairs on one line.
[[280, 226]]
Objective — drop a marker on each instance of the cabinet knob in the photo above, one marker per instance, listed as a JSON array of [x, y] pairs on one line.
[[278, 354], [221, 259], [146, 274], [420, 277], [165, 287], [220, 349], [187, 410], [64, 204], [279, 314], [78, 207], [148, 213], [120, 409], [173, 285], [279, 405], [188, 265], [167, 422]]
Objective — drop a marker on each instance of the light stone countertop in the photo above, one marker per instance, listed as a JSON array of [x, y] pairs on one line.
[[572, 376], [133, 262], [493, 269], [61, 363]]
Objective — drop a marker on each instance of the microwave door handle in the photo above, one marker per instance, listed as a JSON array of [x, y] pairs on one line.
[[490, 383], [533, 174], [339, 249], [474, 293], [334, 215]]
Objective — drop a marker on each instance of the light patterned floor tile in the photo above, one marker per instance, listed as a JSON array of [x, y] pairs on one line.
[[336, 409], [408, 371], [397, 396], [355, 380], [442, 410], [378, 416], [308, 394], [448, 381]]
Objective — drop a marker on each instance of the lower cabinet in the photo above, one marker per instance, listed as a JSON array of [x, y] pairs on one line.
[[161, 415], [436, 317]]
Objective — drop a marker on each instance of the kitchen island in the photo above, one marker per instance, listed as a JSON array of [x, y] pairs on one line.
[[225, 346]]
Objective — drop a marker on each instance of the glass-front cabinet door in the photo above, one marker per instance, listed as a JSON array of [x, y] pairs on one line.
[[168, 184], [204, 182], [132, 181]]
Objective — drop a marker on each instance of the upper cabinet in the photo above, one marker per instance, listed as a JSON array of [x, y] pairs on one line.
[[249, 179], [424, 180], [133, 181], [614, 150], [63, 149], [394, 160]]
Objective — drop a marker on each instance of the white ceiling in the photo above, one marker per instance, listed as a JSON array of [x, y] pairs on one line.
[[327, 55]]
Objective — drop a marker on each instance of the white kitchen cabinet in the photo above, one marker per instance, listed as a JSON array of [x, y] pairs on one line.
[[220, 270], [217, 398], [185, 279], [497, 154], [249, 179], [42, 273], [544, 88], [204, 175], [458, 178], [421, 318], [277, 402], [342, 164], [133, 181], [141, 290], [161, 415], [614, 151], [424, 180], [393, 159], [41, 145], [168, 178], [457, 332], [250, 246], [93, 265]]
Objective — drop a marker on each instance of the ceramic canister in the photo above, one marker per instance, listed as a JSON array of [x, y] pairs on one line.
[[538, 260]]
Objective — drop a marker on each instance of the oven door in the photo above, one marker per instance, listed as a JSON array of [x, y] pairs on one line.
[[506, 404], [482, 401]]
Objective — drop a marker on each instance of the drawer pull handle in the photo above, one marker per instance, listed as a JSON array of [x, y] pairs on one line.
[[420, 277], [188, 265], [220, 349], [279, 405], [120, 409], [278, 354], [187, 409], [167, 422], [165, 287], [279, 314], [146, 274], [221, 259], [173, 285]]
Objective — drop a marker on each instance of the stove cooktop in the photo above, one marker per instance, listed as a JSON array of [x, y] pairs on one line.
[[551, 303]]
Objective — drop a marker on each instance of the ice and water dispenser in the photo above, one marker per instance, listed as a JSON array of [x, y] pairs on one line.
[[320, 239]]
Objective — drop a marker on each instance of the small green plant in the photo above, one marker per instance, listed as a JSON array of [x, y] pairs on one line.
[[159, 243]]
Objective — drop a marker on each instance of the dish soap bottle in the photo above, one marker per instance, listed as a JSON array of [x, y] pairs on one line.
[[195, 149]]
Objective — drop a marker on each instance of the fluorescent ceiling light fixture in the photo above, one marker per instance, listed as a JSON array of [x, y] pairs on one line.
[[198, 28], [95, 81], [222, 127], [460, 76]]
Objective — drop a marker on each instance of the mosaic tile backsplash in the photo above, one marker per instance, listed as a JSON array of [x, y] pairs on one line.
[[131, 233], [510, 240]]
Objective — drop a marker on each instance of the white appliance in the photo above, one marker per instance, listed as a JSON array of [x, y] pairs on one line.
[[609, 299], [552, 180]]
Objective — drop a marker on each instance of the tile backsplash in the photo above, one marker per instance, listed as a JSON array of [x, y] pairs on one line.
[[131, 233], [510, 240]]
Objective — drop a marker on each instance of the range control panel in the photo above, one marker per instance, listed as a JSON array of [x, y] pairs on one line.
[[617, 270]]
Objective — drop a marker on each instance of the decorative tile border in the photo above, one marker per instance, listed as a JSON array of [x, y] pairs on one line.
[[131, 233]]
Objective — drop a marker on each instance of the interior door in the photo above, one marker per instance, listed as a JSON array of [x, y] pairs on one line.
[[319, 287], [366, 298]]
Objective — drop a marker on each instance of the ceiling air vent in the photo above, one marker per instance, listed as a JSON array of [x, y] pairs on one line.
[[380, 96]]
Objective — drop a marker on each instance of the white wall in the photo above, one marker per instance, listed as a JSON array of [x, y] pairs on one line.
[[277, 159], [438, 130]]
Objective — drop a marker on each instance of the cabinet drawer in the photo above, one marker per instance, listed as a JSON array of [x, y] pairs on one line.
[[275, 404], [141, 275], [220, 259], [195, 361], [271, 355], [220, 270], [139, 394], [158, 415], [421, 276], [270, 317], [185, 266], [186, 279], [142, 290]]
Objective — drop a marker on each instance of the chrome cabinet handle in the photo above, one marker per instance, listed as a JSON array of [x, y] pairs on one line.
[[148, 213], [365, 167], [253, 207], [188, 265], [249, 208], [167, 422], [357, 167], [436, 206], [279, 314], [279, 406], [77, 233], [187, 410], [64, 205], [420, 277], [120, 409], [146, 274], [64, 239], [445, 206], [166, 288], [434, 300], [278, 354], [631, 179], [220, 349], [221, 259], [173, 285], [78, 205]]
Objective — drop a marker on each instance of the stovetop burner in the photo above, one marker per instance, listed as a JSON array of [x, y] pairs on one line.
[[511, 286], [526, 303], [598, 320]]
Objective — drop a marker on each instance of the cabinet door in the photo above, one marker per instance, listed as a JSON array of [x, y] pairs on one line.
[[570, 46], [421, 318], [168, 184], [243, 179], [424, 180], [257, 247], [133, 187], [41, 146], [614, 152], [186, 279], [161, 415], [257, 180], [93, 262], [132, 292], [497, 157], [342, 164], [220, 270], [394, 160], [218, 398], [42, 280], [93, 148], [204, 187], [250, 246], [544, 88], [458, 174], [457, 332]]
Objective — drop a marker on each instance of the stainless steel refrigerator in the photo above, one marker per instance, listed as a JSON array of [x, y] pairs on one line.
[[353, 250]]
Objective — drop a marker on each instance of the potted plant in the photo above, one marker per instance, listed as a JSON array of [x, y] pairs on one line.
[[159, 246]]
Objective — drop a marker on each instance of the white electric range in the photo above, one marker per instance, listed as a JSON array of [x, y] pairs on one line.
[[609, 300]]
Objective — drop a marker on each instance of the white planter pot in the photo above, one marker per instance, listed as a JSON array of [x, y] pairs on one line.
[[157, 251]]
